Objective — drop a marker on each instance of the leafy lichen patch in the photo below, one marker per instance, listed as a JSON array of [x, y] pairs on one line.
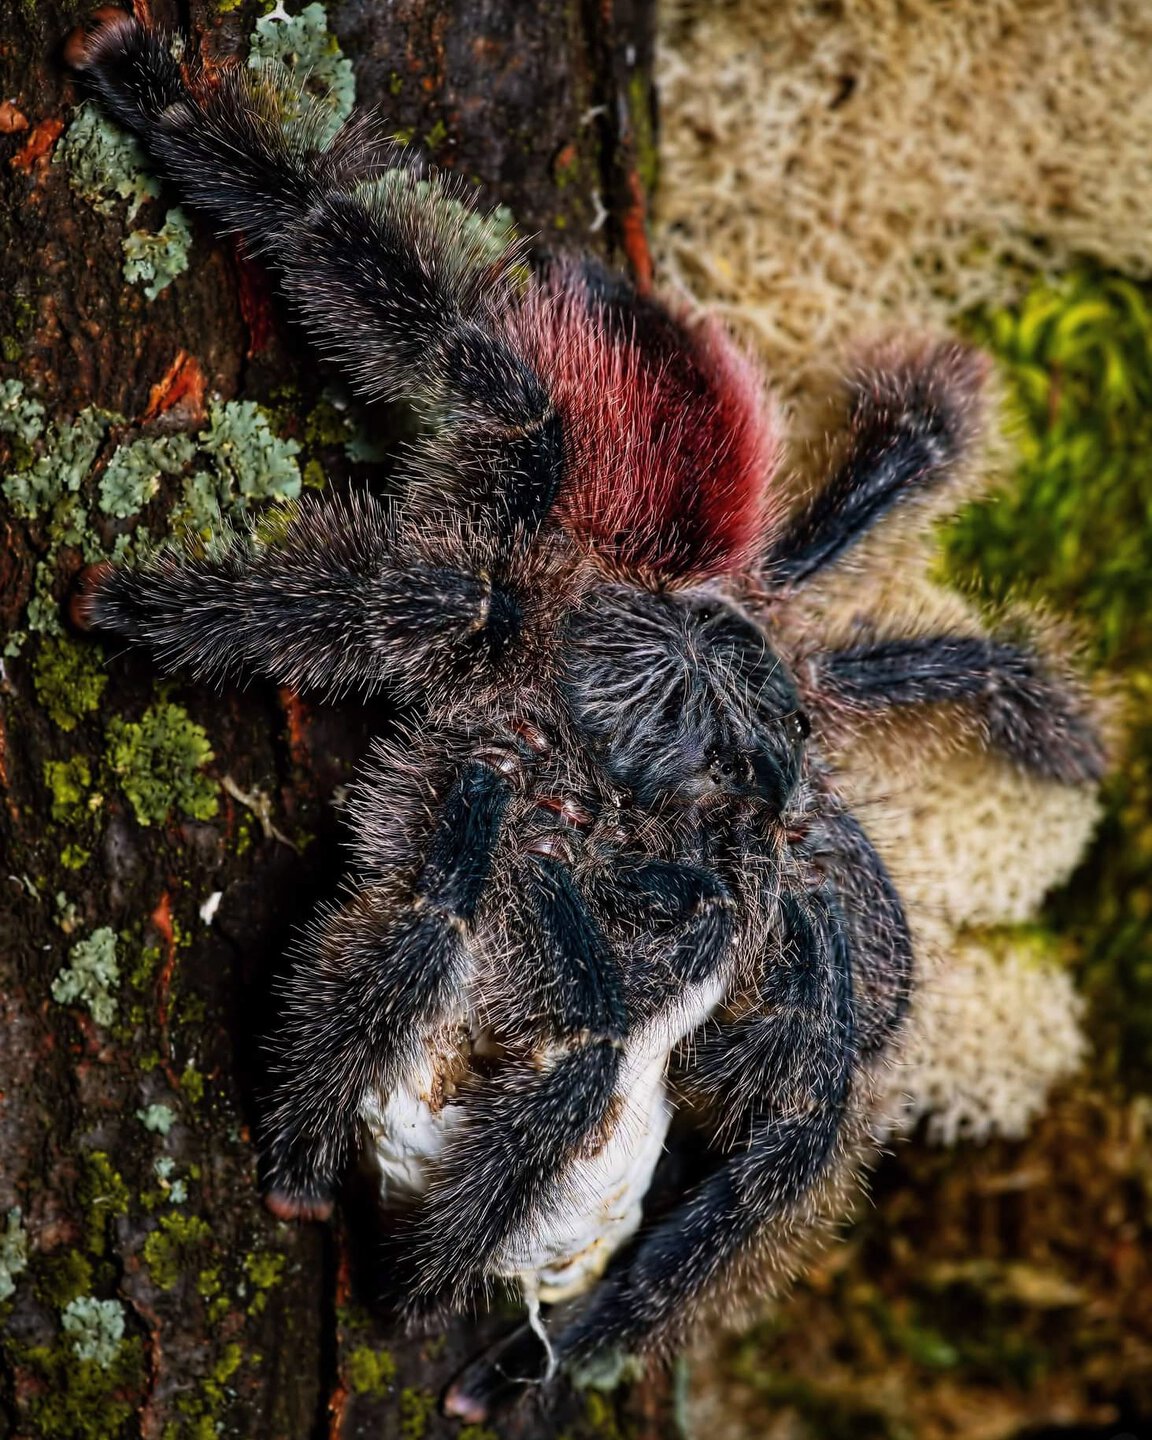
[[159, 762], [69, 681], [96, 1329], [299, 50], [251, 462], [158, 1118], [66, 455], [91, 976], [20, 417], [13, 1253], [105, 164], [154, 259], [132, 476]]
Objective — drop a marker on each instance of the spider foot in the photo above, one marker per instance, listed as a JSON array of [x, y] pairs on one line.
[[85, 592], [497, 1378], [287, 1206]]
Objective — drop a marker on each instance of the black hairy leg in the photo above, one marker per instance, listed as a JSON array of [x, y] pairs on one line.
[[911, 420], [505, 1165], [373, 258], [336, 601], [782, 1076], [369, 985], [1040, 721], [883, 965]]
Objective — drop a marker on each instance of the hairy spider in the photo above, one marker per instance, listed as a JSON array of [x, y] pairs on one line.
[[609, 867]]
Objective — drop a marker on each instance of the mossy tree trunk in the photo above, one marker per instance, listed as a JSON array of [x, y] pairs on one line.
[[161, 842]]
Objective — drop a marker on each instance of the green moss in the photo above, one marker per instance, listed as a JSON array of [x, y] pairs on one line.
[[91, 976], [62, 1278], [265, 1269], [72, 1399], [70, 783], [601, 1415], [68, 678], [326, 424], [643, 133], [103, 1196], [132, 476], [416, 1409], [154, 259], [208, 1283], [74, 857], [159, 761], [172, 1249], [1073, 528], [13, 1253], [370, 1372], [105, 164], [476, 1432], [21, 418], [299, 51], [192, 1084]]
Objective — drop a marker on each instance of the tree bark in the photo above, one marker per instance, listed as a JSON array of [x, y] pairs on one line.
[[143, 1289]]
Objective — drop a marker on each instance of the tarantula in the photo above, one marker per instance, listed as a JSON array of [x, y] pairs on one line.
[[609, 867]]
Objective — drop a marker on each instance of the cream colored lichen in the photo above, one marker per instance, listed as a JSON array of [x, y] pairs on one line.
[[832, 174], [996, 1026], [830, 170]]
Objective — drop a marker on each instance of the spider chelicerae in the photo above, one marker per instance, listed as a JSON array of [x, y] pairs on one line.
[[608, 874]]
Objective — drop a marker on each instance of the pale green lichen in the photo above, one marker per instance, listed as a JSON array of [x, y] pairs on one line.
[[159, 762], [132, 476], [13, 1254], [68, 451], [250, 461], [68, 680], [20, 417], [175, 1189], [155, 259], [91, 976], [105, 164], [96, 1328], [159, 1119], [298, 53]]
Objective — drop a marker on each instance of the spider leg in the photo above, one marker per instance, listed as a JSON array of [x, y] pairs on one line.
[[504, 1164], [1036, 718], [883, 964], [397, 279], [332, 603], [784, 1076], [910, 423], [687, 915], [373, 983], [522, 1133]]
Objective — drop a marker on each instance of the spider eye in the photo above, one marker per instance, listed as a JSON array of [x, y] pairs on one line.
[[797, 726]]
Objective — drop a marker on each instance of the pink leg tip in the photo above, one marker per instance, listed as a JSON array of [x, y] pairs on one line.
[[298, 1207]]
